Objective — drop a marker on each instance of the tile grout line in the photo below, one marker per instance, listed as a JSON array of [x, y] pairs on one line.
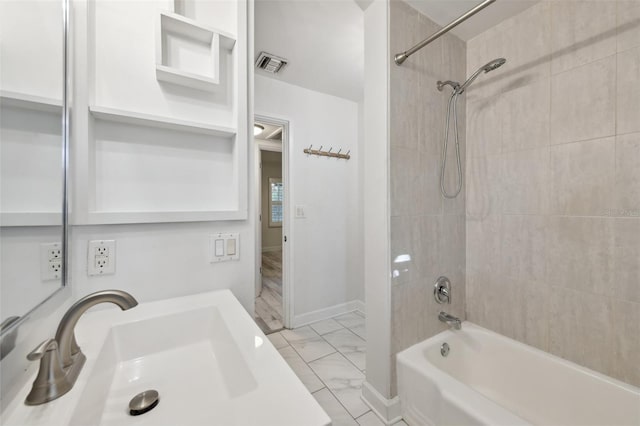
[[337, 351], [340, 352], [309, 367]]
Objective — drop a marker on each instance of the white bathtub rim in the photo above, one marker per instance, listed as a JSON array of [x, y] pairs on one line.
[[411, 352], [461, 395]]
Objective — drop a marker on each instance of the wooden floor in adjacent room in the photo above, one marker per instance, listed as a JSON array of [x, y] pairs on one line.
[[268, 309]]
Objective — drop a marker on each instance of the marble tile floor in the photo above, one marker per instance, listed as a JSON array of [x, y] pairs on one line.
[[329, 358], [268, 305]]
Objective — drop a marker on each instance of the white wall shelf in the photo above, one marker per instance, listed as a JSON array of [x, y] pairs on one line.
[[32, 102], [30, 219], [99, 218], [149, 120], [188, 53]]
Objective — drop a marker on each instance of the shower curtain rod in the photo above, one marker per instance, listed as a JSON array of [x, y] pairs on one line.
[[401, 57]]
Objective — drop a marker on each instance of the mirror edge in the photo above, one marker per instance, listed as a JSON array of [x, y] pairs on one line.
[[15, 325]]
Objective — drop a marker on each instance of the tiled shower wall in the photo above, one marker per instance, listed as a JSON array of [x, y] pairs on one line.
[[553, 182], [427, 231]]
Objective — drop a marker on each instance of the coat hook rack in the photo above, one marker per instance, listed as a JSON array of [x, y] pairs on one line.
[[329, 153]]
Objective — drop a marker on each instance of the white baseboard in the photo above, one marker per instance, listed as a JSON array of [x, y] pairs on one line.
[[326, 313], [388, 410], [273, 248]]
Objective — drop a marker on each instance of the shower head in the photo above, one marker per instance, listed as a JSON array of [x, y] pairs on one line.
[[496, 63]]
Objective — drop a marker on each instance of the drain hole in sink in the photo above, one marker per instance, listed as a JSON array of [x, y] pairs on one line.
[[144, 402]]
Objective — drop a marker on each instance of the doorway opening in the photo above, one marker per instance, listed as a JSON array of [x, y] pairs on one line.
[[271, 290]]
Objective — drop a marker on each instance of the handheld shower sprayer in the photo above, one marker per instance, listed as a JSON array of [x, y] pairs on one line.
[[458, 89]]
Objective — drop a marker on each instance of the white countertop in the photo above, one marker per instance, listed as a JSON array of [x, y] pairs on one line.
[[259, 387]]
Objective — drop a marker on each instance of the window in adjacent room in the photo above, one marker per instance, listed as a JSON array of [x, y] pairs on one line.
[[276, 194]]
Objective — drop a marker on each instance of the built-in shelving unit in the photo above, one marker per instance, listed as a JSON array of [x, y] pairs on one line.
[[97, 218], [177, 34], [31, 219], [26, 144], [32, 102], [149, 120], [150, 152]]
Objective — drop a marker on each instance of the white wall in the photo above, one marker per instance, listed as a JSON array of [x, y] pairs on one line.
[[377, 388], [158, 261], [326, 246]]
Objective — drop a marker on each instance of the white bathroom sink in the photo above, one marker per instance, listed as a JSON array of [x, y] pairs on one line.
[[209, 362]]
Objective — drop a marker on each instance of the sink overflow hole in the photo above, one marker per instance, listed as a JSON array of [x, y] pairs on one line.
[[144, 402]]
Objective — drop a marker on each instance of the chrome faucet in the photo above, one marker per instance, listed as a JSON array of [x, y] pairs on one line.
[[450, 320], [61, 358]]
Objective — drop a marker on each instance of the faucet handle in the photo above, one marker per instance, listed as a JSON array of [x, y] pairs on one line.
[[51, 380], [44, 347]]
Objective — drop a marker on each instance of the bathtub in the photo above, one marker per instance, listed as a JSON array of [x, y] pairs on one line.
[[489, 379]]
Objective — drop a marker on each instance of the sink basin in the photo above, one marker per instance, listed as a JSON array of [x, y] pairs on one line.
[[209, 362]]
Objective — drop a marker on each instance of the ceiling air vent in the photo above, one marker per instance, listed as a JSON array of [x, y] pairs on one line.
[[270, 63]]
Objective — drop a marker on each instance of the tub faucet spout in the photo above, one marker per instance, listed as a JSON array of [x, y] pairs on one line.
[[450, 320]]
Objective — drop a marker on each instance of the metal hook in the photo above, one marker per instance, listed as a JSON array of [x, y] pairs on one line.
[[320, 149], [340, 150], [310, 146], [348, 152], [330, 149]]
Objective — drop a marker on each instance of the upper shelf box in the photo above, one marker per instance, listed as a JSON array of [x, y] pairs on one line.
[[188, 53]]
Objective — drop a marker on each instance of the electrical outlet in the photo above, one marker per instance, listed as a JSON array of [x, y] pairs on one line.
[[50, 261], [101, 258]]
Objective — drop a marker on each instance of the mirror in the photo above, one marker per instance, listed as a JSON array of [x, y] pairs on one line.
[[32, 155]]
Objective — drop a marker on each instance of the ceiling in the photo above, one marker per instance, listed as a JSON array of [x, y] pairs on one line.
[[443, 12], [270, 133], [323, 42]]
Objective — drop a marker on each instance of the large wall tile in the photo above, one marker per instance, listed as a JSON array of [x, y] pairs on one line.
[[525, 182], [583, 102], [430, 175], [484, 127], [524, 41], [484, 244], [627, 185], [525, 124], [406, 249], [407, 182], [580, 253], [406, 108], [553, 193], [626, 334], [582, 32], [626, 279], [431, 115], [582, 177], [628, 24], [524, 247], [581, 329], [629, 91], [484, 186], [537, 313]]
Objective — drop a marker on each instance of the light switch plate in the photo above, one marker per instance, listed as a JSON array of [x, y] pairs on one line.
[[228, 250], [101, 257], [300, 211]]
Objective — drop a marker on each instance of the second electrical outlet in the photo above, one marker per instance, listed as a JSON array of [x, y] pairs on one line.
[[101, 259]]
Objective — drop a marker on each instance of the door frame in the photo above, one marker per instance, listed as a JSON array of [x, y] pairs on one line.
[[287, 243]]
